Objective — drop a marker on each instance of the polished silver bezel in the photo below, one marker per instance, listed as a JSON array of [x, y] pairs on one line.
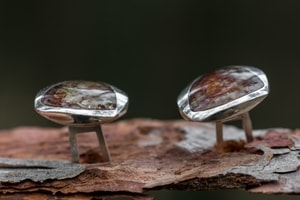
[[226, 111], [88, 116]]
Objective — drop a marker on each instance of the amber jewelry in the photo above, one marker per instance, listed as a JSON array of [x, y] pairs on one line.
[[223, 95], [82, 106]]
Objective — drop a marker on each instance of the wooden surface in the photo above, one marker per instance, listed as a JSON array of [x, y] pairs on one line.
[[150, 155]]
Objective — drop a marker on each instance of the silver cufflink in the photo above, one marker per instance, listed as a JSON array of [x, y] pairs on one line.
[[223, 95], [82, 106]]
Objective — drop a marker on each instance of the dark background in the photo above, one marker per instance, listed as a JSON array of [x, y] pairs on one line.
[[150, 49]]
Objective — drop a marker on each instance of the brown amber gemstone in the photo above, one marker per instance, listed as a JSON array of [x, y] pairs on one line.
[[222, 86], [81, 95]]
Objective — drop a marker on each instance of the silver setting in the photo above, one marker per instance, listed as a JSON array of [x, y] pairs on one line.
[[80, 120], [233, 110], [69, 116]]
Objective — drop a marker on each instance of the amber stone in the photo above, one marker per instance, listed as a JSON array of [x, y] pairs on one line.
[[81, 95], [222, 86]]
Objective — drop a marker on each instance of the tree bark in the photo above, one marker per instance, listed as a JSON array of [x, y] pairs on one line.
[[147, 155]]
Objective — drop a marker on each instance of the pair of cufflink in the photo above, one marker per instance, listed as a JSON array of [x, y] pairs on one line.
[[222, 95]]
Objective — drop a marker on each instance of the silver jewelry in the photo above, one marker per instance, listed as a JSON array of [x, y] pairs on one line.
[[82, 106], [223, 95]]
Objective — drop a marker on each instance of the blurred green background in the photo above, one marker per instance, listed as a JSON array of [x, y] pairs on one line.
[[151, 50]]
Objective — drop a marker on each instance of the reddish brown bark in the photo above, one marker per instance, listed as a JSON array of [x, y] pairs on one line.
[[151, 154]]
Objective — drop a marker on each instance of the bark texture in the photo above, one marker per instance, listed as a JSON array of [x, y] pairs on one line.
[[147, 155]]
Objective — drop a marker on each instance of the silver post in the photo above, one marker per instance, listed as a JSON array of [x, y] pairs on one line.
[[247, 125], [74, 130], [73, 144], [102, 143]]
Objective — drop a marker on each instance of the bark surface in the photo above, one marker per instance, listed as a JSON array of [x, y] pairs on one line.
[[147, 155]]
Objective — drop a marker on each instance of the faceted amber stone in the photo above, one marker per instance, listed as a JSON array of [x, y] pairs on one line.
[[222, 86], [81, 95]]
